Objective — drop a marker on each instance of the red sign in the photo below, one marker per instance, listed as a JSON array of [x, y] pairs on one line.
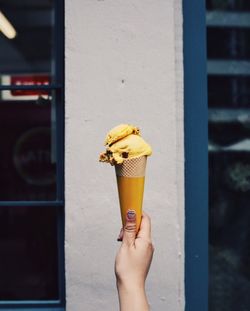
[[29, 81]]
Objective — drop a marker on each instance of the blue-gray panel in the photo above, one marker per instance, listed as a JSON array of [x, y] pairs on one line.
[[196, 156]]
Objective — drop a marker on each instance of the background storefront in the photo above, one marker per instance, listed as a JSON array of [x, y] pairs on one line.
[[179, 70]]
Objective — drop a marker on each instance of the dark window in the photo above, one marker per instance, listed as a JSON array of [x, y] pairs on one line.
[[32, 154], [28, 154], [228, 5], [228, 66], [28, 253], [31, 51]]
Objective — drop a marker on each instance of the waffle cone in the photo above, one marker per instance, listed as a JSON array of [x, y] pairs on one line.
[[130, 182]]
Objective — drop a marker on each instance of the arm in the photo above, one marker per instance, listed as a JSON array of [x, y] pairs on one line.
[[132, 299], [132, 264]]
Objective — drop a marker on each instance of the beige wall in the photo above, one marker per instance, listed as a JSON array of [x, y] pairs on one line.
[[123, 65]]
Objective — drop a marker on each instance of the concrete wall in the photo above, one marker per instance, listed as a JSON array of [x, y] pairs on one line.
[[123, 65]]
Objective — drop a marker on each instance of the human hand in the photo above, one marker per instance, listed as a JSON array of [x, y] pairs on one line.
[[134, 257]]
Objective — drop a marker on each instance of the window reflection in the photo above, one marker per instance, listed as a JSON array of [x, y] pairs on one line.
[[228, 50], [27, 155], [30, 52]]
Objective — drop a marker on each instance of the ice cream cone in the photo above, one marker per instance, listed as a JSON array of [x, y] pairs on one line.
[[130, 181]]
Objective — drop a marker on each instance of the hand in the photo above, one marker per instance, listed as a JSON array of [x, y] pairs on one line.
[[133, 262]]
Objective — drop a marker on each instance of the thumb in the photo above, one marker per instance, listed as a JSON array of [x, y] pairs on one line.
[[129, 231]]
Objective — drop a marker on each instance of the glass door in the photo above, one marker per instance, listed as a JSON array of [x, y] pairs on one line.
[[228, 73]]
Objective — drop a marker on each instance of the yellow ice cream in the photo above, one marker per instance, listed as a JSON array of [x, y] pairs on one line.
[[124, 142], [128, 151], [119, 132]]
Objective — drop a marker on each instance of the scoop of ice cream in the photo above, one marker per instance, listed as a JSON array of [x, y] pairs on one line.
[[124, 142], [120, 132]]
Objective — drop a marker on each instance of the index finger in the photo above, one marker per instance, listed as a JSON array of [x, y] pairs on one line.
[[145, 228]]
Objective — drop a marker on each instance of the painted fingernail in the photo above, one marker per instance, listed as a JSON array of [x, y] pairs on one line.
[[131, 215]]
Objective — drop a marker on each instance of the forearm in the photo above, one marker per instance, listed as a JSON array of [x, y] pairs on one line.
[[132, 299]]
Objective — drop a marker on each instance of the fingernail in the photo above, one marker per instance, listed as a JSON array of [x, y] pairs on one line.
[[131, 215]]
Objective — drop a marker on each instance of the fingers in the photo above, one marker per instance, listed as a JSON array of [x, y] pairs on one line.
[[144, 232], [145, 228], [129, 230], [120, 236]]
